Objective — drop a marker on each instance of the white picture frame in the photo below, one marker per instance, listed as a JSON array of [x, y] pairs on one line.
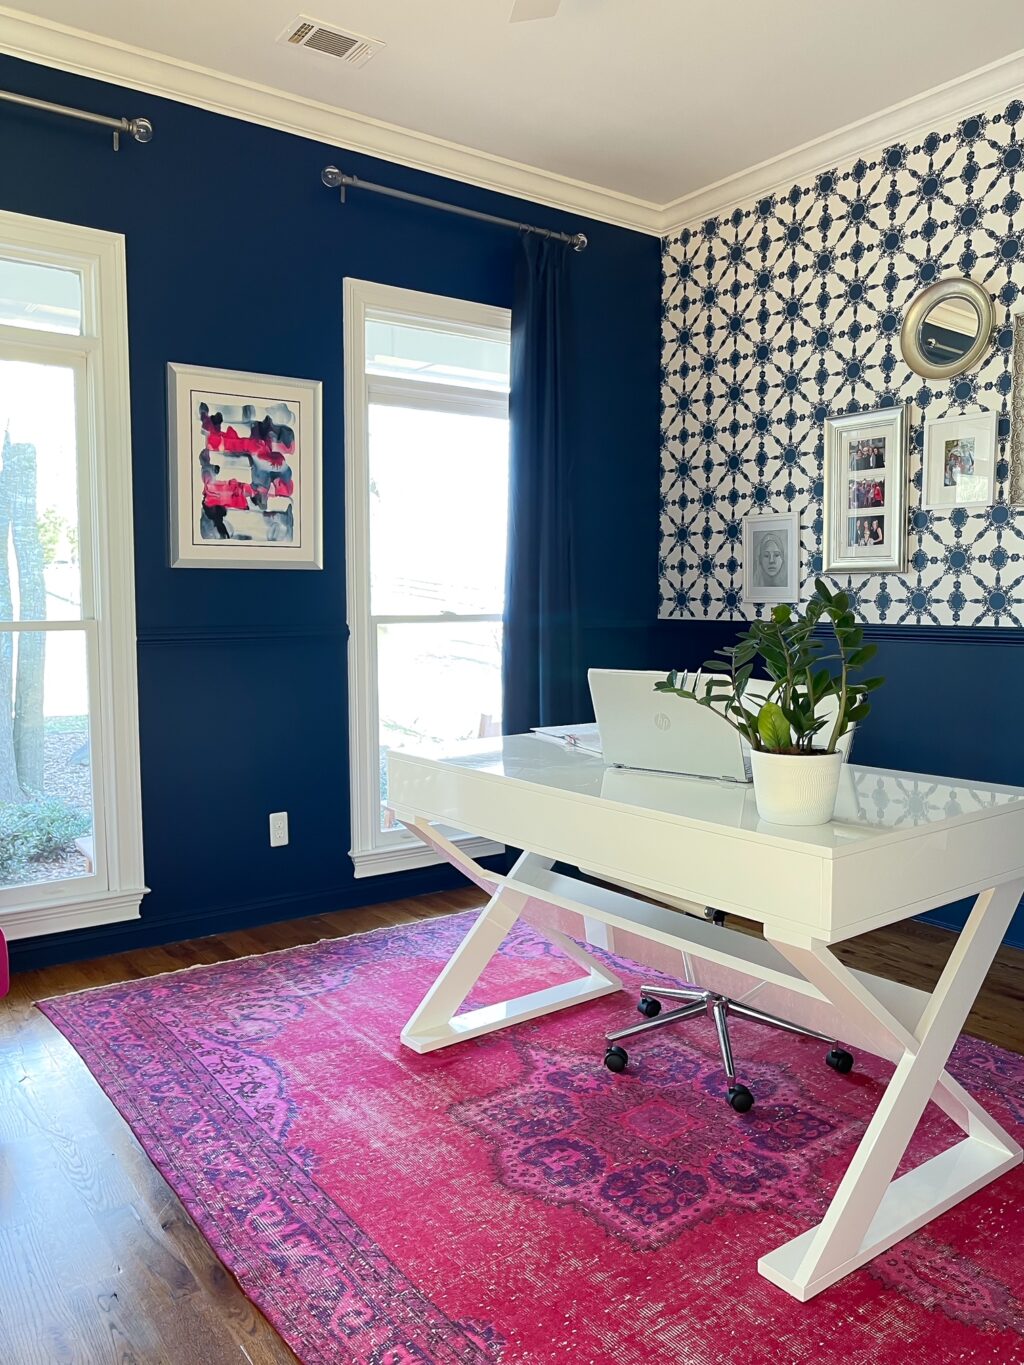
[[771, 558], [245, 463], [865, 491], [960, 456]]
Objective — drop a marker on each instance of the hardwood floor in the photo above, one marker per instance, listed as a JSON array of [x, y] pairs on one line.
[[99, 1262]]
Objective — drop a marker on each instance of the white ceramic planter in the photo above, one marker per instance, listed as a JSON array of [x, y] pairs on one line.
[[795, 789]]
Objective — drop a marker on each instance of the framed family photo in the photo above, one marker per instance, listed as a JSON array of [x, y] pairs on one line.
[[245, 470], [771, 557], [960, 454], [865, 491]]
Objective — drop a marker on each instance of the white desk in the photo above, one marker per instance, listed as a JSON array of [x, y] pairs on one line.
[[901, 844]]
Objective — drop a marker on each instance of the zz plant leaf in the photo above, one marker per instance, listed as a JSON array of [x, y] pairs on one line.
[[810, 660], [773, 727]]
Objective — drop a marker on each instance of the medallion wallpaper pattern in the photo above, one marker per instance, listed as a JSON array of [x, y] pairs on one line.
[[788, 310]]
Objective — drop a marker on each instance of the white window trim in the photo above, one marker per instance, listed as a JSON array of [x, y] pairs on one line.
[[116, 892], [402, 851]]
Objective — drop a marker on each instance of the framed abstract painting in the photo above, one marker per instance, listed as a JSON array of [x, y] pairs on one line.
[[245, 468], [865, 527]]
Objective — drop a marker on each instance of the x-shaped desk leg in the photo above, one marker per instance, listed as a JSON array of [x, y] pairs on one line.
[[437, 1022], [870, 1210]]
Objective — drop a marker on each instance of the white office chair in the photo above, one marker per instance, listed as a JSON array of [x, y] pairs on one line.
[[718, 1007]]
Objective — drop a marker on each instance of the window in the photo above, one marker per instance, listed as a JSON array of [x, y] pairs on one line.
[[427, 496], [70, 822]]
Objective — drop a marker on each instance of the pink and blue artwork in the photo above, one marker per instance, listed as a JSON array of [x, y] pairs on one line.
[[245, 470], [245, 473]]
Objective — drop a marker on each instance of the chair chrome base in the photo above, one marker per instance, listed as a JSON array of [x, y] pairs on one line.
[[717, 1007]]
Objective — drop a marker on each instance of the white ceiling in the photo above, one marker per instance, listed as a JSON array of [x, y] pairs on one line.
[[650, 99]]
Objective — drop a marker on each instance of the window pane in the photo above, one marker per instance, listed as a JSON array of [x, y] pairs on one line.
[[42, 297], [474, 362], [437, 683], [40, 577], [46, 822], [438, 511]]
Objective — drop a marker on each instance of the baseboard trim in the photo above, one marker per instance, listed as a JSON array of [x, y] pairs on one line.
[[150, 931]]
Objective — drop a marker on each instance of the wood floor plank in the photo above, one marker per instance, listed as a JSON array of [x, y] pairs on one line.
[[99, 1261]]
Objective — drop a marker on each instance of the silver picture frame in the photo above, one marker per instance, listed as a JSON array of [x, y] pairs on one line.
[[864, 507]]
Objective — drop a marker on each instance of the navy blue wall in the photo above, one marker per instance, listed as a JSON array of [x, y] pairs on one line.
[[942, 709], [236, 255]]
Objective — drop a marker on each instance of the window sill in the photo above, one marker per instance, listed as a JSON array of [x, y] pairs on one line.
[[110, 907], [378, 862]]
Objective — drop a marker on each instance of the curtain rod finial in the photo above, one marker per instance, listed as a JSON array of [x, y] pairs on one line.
[[331, 177], [578, 242], [141, 129]]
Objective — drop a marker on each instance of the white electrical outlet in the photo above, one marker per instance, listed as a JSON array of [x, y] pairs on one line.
[[278, 828]]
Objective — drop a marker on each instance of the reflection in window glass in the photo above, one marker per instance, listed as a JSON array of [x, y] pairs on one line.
[[40, 575], [437, 684], [43, 298], [428, 353], [438, 512], [46, 820]]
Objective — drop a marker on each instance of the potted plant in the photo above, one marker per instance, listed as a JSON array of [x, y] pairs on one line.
[[794, 725]]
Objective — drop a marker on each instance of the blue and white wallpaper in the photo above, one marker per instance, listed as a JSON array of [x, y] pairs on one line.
[[788, 310]]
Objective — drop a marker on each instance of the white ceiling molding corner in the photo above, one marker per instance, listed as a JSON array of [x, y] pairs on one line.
[[71, 49], [86, 54], [909, 120]]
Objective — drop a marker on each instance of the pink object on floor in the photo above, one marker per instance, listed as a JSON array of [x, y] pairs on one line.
[[509, 1200]]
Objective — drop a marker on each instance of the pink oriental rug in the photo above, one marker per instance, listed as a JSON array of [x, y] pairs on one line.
[[508, 1201]]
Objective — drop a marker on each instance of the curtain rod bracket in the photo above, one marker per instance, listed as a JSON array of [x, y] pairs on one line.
[[334, 178]]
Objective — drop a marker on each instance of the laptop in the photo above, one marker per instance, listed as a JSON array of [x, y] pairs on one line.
[[641, 728]]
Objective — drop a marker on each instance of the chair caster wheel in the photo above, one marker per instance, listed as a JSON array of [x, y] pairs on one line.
[[649, 1008], [840, 1060], [740, 1098], [616, 1058]]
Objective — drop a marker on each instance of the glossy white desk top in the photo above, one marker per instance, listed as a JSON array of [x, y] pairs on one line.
[[875, 805]]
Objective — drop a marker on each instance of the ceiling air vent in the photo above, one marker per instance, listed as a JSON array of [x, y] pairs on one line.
[[333, 42]]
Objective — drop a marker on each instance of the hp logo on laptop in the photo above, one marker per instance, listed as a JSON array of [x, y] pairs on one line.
[[662, 722]]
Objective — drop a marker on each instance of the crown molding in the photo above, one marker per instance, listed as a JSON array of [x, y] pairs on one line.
[[910, 119], [105, 59], [86, 54]]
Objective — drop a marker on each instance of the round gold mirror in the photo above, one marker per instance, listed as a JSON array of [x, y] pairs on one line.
[[948, 328]]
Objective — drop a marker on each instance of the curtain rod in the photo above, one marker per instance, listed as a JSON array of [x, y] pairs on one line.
[[335, 179], [139, 128]]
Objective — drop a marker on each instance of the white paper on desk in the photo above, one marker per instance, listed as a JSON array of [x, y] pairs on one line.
[[584, 737]]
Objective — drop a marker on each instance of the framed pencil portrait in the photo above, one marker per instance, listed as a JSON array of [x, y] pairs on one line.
[[771, 557], [865, 491], [960, 454]]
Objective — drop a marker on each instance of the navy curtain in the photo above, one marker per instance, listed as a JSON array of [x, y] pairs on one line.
[[541, 672]]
